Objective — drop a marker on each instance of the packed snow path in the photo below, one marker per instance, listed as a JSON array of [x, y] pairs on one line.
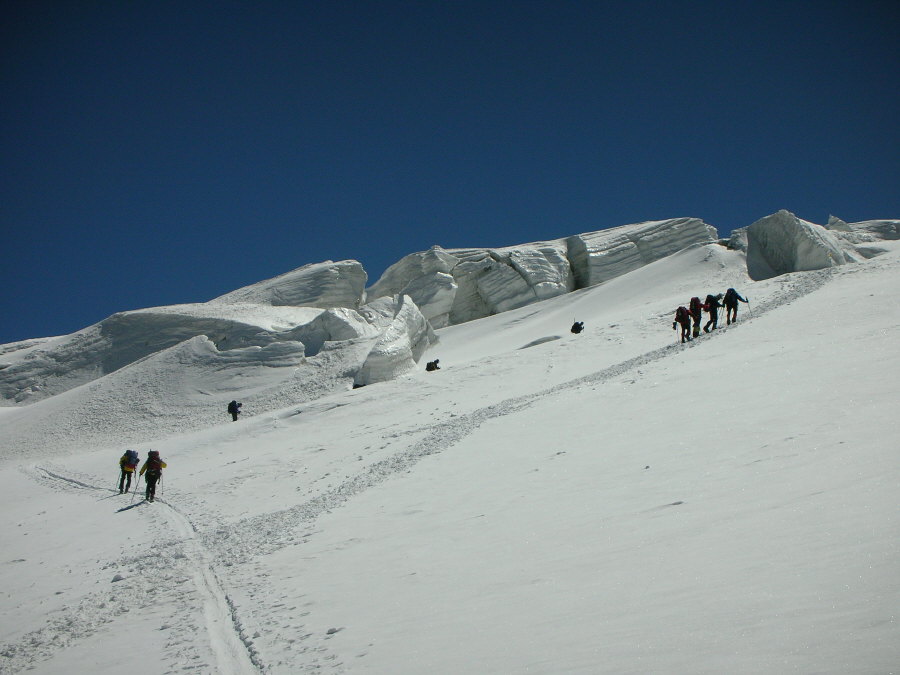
[[272, 531], [164, 569], [184, 566]]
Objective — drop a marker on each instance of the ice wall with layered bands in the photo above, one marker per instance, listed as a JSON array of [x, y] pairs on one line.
[[285, 336], [783, 243], [453, 286], [326, 284], [400, 346]]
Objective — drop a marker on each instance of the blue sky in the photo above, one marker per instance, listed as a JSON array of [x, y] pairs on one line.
[[163, 152]]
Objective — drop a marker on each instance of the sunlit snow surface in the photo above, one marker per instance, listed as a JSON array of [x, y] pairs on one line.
[[609, 502]]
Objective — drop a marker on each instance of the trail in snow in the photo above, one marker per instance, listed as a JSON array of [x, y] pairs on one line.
[[234, 651], [163, 570], [273, 531], [171, 563]]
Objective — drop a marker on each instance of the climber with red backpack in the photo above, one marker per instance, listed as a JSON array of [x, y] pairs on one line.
[[153, 468], [696, 310], [683, 317], [712, 306]]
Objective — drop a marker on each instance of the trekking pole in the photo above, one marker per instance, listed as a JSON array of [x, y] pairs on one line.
[[749, 310]]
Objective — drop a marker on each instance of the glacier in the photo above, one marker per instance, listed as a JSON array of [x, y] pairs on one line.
[[453, 286], [294, 328], [783, 243]]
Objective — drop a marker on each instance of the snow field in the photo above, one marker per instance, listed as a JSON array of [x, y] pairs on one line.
[[498, 516]]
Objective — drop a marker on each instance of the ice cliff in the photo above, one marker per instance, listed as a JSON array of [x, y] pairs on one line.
[[260, 337], [456, 285], [326, 284], [783, 243], [317, 329]]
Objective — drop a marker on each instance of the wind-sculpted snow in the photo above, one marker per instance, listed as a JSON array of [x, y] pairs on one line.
[[783, 243], [457, 285], [187, 385], [184, 386], [865, 239], [263, 337], [400, 346], [326, 284], [599, 256], [447, 287], [60, 364], [872, 230], [333, 325]]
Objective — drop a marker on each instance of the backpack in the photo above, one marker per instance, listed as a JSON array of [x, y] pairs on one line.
[[154, 464], [696, 306], [682, 315], [131, 458]]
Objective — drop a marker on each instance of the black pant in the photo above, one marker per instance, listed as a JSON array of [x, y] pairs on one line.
[[234, 416], [125, 481], [731, 313], [151, 485], [713, 320]]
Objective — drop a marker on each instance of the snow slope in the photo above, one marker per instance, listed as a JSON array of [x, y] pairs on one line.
[[609, 502]]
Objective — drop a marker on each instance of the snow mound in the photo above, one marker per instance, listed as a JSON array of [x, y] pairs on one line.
[[326, 284]]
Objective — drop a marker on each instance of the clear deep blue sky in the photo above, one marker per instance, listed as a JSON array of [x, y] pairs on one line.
[[164, 152]]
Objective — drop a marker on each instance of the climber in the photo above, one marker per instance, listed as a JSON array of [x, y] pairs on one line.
[[731, 305], [683, 317], [153, 468], [712, 306]]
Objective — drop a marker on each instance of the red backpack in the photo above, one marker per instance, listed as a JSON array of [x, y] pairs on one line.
[[154, 463]]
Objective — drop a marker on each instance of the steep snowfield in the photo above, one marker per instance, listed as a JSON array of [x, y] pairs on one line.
[[608, 502]]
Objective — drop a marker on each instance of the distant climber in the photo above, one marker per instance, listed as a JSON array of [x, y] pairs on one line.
[[696, 310], [731, 305], [712, 306], [432, 365], [127, 464], [153, 468], [234, 409], [683, 318], [577, 327]]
